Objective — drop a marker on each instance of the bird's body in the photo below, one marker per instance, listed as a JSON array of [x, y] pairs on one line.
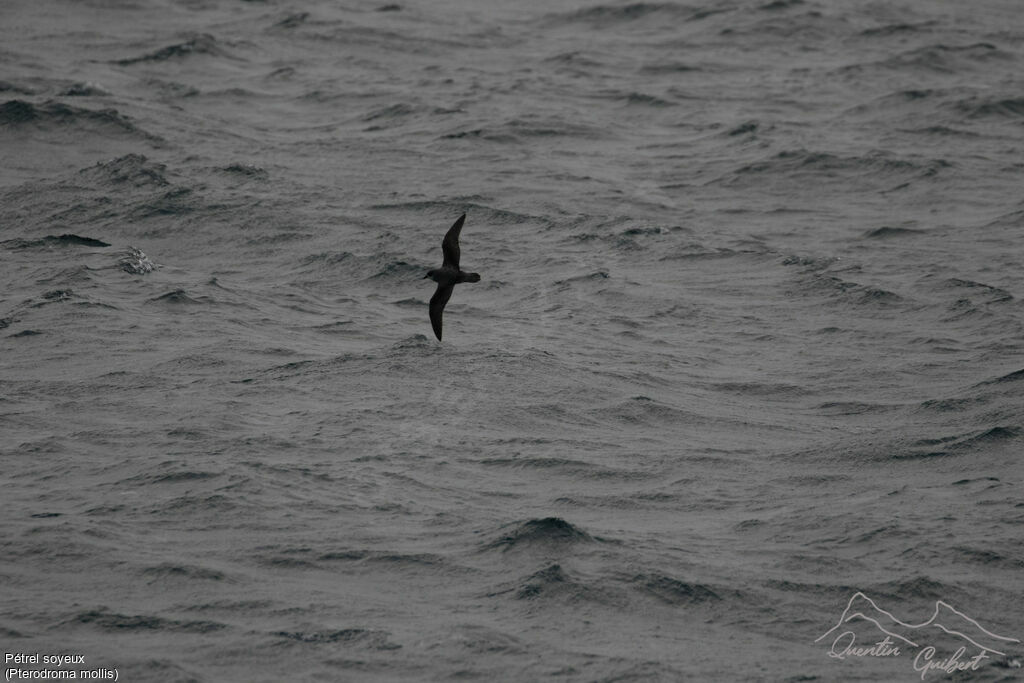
[[448, 275]]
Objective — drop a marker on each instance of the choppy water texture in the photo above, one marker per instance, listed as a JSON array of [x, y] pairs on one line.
[[749, 337]]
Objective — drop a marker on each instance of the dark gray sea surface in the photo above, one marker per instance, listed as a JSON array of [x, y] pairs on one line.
[[749, 339]]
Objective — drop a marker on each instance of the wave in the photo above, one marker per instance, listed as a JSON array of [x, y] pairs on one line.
[[947, 405], [399, 270], [576, 60], [1015, 376], [988, 107], [554, 584], [482, 640], [696, 251], [994, 435], [897, 29], [64, 240], [131, 169], [203, 44], [171, 89], [123, 623], [670, 68], [937, 59], [959, 444], [642, 99], [596, 276], [776, 5], [945, 58], [916, 589], [171, 571], [913, 102], [988, 293], [987, 557], [292, 20], [7, 86], [178, 297], [382, 560], [392, 111], [215, 503], [837, 408], [887, 232], [350, 36], [944, 131], [651, 230], [175, 202], [767, 389], [1013, 219], [84, 90], [14, 112], [53, 115], [641, 410], [747, 128], [363, 268], [55, 296], [327, 258], [549, 532], [902, 448], [135, 262], [612, 16], [443, 210], [521, 130], [372, 639], [846, 292], [878, 169], [806, 26], [568, 467], [677, 593]]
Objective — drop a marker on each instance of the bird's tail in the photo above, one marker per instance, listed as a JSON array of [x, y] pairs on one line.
[[469, 277]]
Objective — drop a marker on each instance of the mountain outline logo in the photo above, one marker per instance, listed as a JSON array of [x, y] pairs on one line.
[[945, 617], [901, 636]]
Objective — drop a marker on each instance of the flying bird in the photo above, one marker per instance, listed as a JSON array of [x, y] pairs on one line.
[[448, 275]]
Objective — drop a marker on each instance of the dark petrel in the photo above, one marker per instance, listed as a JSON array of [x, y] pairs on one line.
[[448, 275]]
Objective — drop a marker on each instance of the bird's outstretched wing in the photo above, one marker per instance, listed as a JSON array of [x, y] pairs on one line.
[[437, 302], [450, 244]]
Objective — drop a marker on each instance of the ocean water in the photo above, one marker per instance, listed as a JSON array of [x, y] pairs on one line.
[[749, 340]]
